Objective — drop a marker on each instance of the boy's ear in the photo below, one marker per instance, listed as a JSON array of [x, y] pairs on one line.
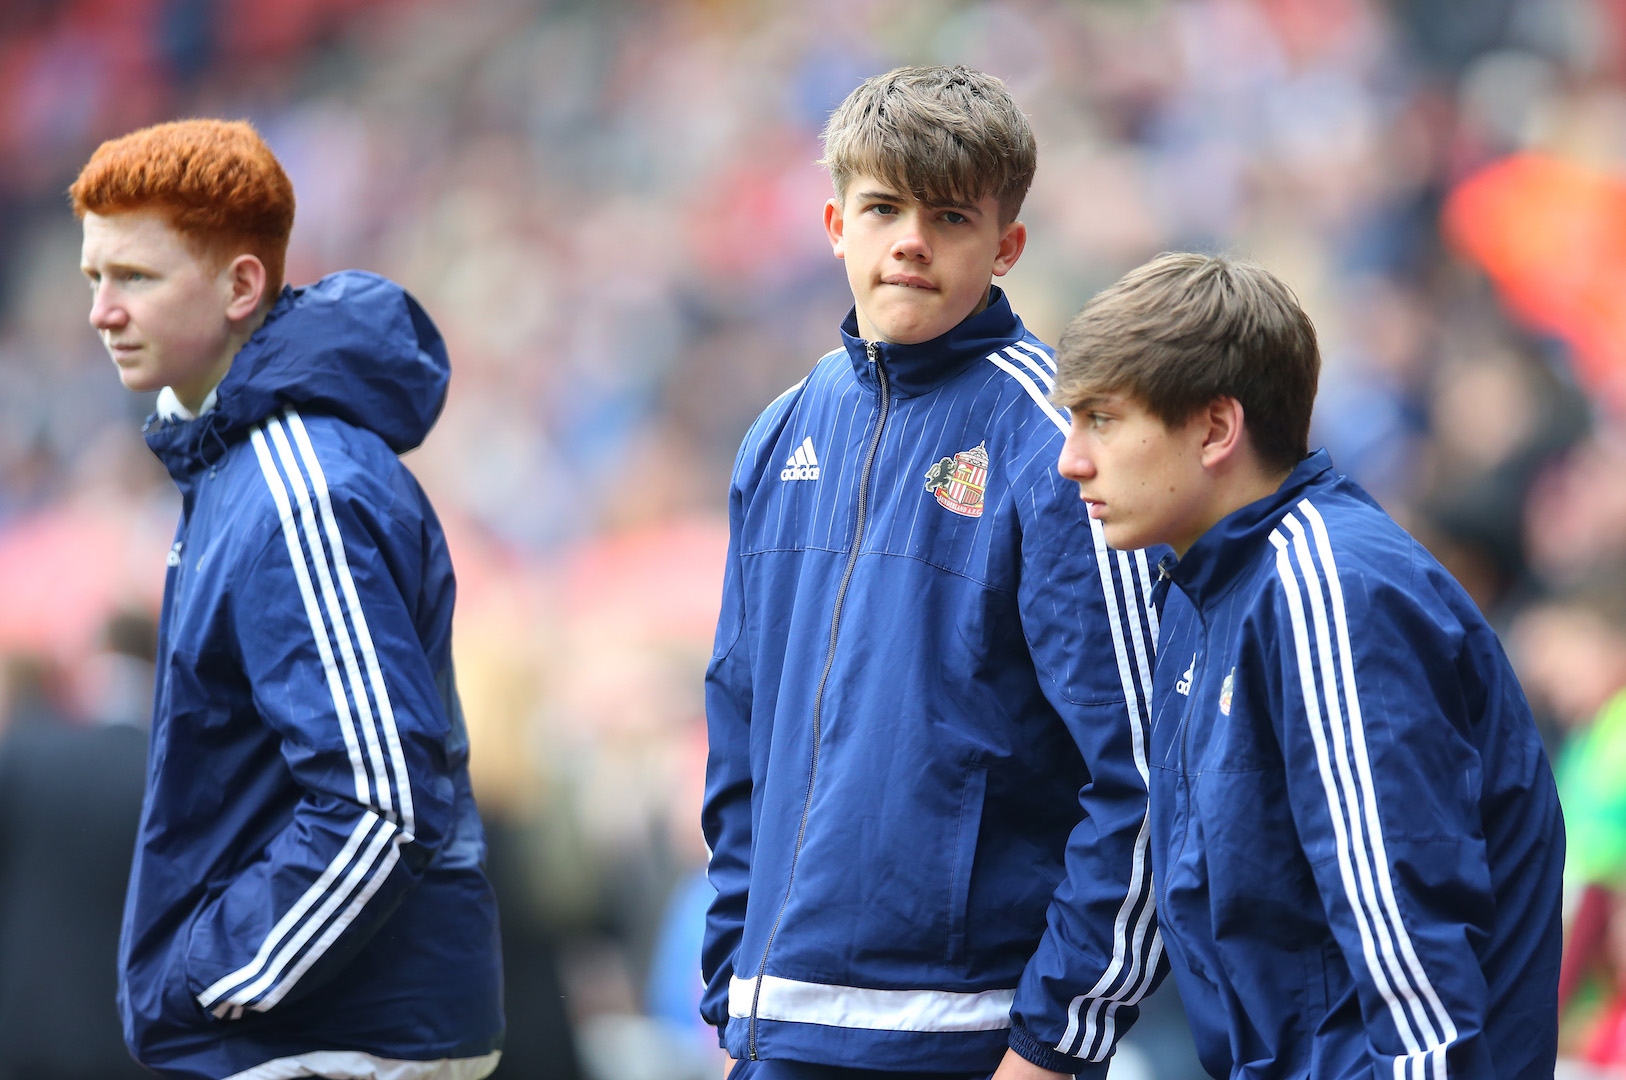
[[245, 280], [1226, 435], [833, 226], [1011, 242]]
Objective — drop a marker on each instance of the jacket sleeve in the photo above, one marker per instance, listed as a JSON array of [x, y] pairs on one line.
[[1373, 716], [726, 814], [1085, 610], [323, 624]]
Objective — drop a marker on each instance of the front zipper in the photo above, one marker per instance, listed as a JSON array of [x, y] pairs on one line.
[[872, 351]]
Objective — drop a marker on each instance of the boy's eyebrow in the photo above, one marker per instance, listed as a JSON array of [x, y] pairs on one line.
[[893, 196]]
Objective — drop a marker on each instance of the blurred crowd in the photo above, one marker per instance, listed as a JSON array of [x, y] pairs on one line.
[[612, 209]]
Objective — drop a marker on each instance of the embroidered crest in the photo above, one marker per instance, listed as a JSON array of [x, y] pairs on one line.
[[1225, 692], [959, 481]]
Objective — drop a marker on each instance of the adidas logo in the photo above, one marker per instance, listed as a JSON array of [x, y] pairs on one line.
[[803, 464], [1184, 685]]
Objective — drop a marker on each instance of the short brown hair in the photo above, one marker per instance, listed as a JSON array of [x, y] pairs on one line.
[[946, 135], [1185, 329], [221, 186]]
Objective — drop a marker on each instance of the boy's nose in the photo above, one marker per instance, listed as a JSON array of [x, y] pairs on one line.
[[912, 243], [105, 315], [1074, 465]]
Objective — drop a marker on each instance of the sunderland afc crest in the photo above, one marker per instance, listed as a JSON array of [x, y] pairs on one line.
[[959, 481]]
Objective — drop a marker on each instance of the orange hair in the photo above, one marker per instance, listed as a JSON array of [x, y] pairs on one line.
[[222, 187]]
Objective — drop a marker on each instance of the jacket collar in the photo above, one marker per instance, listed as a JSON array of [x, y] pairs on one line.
[[913, 370], [1212, 564]]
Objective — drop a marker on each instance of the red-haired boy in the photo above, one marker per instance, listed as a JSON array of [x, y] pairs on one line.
[[307, 897]]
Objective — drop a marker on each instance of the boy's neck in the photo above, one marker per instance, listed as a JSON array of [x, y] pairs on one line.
[[196, 394], [1247, 483]]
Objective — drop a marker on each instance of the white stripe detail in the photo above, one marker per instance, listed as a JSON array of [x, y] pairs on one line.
[[1045, 358], [1033, 391], [873, 1010], [286, 923], [341, 631], [1361, 834], [1140, 977], [1368, 791], [1093, 1028], [382, 780], [797, 458], [375, 675], [313, 612], [1146, 591], [379, 841], [812, 456], [1378, 922], [1346, 868], [392, 855], [1142, 870], [355, 1065], [1027, 361]]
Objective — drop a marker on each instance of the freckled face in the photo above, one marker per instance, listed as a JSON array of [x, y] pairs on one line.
[[1143, 481], [917, 270], [160, 309]]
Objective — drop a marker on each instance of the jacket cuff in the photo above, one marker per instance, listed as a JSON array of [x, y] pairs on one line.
[[1023, 1042]]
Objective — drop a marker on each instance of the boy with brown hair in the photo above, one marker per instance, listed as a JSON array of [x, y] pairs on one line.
[[307, 897], [1355, 833], [926, 792]]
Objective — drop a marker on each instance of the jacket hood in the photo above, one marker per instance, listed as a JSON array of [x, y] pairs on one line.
[[919, 368], [353, 345]]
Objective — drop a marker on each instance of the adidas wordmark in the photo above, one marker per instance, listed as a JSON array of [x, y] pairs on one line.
[[803, 464]]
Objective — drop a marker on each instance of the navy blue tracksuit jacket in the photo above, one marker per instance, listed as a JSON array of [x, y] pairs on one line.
[[926, 794], [1356, 836], [307, 876]]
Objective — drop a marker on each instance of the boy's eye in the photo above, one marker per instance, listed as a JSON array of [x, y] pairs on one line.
[[1098, 420], [884, 209], [954, 217]]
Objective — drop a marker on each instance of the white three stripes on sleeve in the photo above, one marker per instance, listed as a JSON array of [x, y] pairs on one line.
[[373, 847], [1327, 682], [1134, 961]]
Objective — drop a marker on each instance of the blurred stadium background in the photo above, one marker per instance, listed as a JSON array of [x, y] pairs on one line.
[[612, 210]]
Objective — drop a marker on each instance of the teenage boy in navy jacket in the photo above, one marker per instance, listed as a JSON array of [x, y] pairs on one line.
[[926, 792], [1355, 832], [307, 897]]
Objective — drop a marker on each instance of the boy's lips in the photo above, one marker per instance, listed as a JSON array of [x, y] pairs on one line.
[[908, 281]]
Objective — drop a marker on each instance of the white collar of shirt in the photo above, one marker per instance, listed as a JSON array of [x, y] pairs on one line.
[[170, 407]]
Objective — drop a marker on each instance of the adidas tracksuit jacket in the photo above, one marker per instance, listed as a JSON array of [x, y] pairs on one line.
[[1356, 836], [926, 794], [307, 895]]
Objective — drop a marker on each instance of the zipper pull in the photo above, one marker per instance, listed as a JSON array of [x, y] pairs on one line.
[[873, 351]]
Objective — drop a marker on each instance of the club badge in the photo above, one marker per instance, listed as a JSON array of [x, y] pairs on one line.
[[1225, 692], [959, 481]]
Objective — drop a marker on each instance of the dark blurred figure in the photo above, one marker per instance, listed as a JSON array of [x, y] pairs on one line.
[[540, 1044], [70, 800]]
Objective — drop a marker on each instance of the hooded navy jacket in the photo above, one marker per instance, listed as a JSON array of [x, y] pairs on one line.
[[926, 795], [307, 875], [1356, 836]]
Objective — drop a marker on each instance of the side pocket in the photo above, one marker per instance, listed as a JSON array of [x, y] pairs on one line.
[[965, 853]]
